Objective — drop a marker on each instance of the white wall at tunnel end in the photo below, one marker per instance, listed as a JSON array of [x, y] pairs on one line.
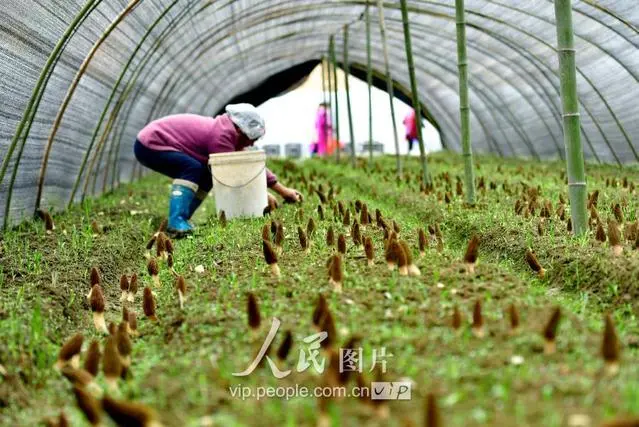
[[290, 118]]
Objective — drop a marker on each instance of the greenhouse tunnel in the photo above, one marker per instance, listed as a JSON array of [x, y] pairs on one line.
[[79, 79]]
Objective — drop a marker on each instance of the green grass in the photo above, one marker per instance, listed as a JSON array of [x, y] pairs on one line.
[[183, 365]]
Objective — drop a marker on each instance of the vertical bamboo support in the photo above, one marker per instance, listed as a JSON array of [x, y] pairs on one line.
[[134, 170], [572, 137], [329, 94], [348, 96], [140, 171], [323, 69], [389, 82], [413, 85], [335, 87], [324, 96], [369, 80], [464, 107]]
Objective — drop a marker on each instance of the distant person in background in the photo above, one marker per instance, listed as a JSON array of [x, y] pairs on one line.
[[410, 122], [324, 131]]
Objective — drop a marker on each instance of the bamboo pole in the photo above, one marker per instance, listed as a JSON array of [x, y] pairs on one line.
[[324, 99], [413, 85], [464, 107], [369, 81], [101, 150], [94, 168], [323, 68], [572, 141], [348, 97], [389, 82], [134, 169], [329, 94], [335, 87]]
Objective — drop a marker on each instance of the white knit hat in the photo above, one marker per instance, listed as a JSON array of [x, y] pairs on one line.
[[248, 119]]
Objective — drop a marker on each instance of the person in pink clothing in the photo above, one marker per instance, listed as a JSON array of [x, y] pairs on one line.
[[179, 146], [410, 122], [323, 128]]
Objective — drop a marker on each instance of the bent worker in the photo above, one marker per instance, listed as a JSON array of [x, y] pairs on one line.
[[179, 146]]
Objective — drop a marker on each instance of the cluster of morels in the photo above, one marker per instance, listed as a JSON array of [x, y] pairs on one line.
[[115, 352]]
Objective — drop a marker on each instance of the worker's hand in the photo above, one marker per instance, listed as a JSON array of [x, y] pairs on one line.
[[291, 196], [288, 194]]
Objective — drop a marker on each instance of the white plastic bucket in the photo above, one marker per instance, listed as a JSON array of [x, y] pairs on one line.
[[239, 183]]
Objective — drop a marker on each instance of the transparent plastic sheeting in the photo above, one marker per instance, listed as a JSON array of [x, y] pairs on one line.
[[104, 68]]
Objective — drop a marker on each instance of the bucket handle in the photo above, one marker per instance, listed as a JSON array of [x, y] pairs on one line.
[[243, 185]]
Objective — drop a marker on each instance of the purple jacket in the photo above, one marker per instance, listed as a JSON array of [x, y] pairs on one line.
[[196, 136]]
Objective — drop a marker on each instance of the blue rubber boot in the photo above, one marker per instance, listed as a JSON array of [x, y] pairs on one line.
[[180, 202]]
